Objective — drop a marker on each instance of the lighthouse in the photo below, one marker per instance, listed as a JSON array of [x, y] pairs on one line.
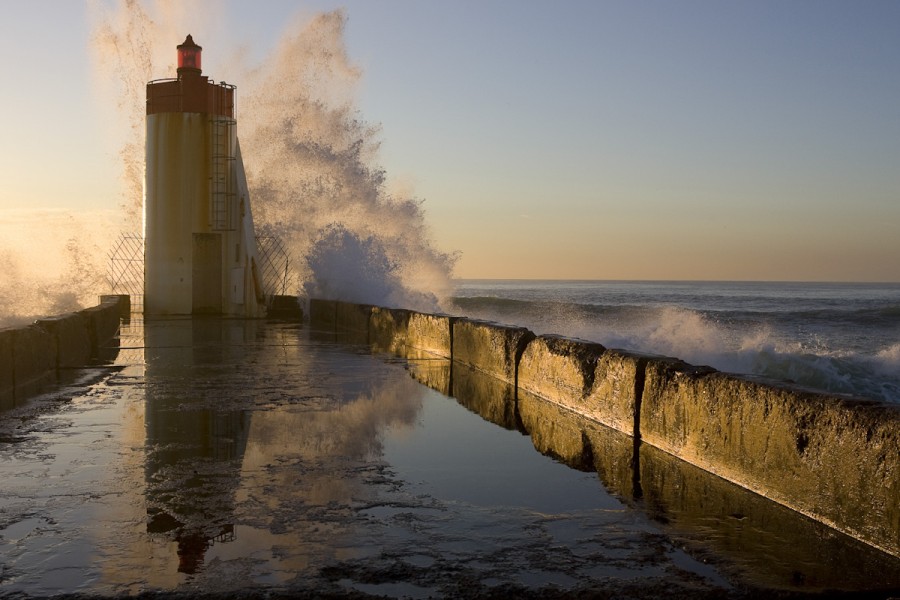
[[200, 253]]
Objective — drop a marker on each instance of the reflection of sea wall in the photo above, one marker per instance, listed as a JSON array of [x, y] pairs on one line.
[[829, 457], [36, 355]]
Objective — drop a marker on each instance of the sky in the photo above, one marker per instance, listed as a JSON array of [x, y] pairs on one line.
[[584, 139]]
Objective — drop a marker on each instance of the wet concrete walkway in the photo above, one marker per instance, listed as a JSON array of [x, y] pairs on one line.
[[247, 458]]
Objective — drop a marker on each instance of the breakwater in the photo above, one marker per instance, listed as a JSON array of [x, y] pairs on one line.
[[36, 355], [832, 458]]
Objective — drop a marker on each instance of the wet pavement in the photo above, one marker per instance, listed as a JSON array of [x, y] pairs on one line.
[[239, 458]]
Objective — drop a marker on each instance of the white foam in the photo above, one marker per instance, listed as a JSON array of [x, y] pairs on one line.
[[701, 340]]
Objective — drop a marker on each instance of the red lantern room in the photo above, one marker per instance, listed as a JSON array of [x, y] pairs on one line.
[[189, 55], [191, 92]]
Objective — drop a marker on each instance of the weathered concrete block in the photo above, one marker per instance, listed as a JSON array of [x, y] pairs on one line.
[[490, 347], [389, 329], [353, 317], [835, 459], [34, 360], [615, 395], [431, 333], [284, 308], [662, 420], [322, 314], [103, 325], [123, 301], [72, 339], [599, 384], [559, 369], [7, 369]]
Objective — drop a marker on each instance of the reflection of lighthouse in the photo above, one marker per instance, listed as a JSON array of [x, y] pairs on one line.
[[195, 443], [200, 251]]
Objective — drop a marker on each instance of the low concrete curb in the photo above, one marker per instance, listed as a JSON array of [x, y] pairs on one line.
[[33, 356]]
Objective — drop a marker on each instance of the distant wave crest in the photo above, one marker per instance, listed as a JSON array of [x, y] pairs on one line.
[[735, 342]]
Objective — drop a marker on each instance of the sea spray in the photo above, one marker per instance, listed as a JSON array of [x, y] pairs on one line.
[[309, 157], [126, 54], [310, 162], [356, 269], [51, 262]]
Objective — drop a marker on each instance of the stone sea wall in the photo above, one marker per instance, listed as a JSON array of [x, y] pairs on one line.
[[832, 458], [35, 355]]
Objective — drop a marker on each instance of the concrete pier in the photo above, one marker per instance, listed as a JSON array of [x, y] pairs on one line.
[[835, 459], [244, 458]]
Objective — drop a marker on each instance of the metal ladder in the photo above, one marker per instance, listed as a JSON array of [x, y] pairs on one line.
[[223, 211]]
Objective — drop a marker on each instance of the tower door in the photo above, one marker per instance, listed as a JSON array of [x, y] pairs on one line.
[[207, 273]]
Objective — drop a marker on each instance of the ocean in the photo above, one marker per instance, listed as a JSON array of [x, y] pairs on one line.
[[836, 337]]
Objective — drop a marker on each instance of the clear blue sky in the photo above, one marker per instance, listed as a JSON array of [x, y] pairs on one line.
[[578, 139]]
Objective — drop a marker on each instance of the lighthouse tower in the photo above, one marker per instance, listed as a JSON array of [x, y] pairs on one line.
[[200, 254]]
